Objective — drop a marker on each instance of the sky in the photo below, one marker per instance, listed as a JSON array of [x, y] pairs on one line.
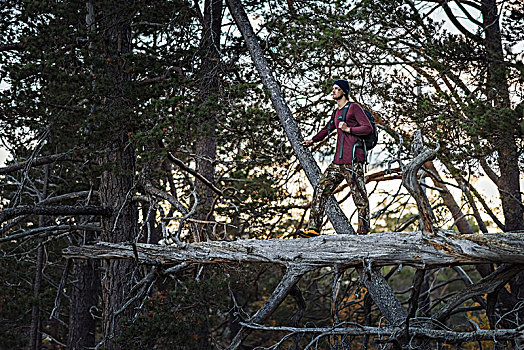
[[3, 156]]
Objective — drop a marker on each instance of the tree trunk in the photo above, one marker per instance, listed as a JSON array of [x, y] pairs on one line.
[[205, 145], [118, 160], [84, 298], [505, 129], [446, 248], [35, 336], [36, 324], [85, 291], [505, 126]]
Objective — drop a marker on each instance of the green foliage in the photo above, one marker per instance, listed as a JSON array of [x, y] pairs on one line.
[[17, 269], [15, 304]]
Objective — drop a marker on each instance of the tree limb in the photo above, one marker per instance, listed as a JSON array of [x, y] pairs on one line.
[[11, 47], [48, 230], [437, 335], [184, 167], [411, 182], [37, 162], [486, 285], [463, 225], [10, 213], [335, 214], [288, 282], [457, 23]]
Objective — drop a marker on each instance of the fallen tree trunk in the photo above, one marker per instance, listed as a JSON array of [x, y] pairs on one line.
[[379, 249]]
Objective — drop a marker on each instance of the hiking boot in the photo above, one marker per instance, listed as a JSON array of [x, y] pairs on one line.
[[307, 233]]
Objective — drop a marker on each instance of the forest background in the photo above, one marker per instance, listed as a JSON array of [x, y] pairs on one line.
[[147, 122]]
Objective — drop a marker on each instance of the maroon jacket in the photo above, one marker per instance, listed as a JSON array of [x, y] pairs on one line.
[[360, 126]]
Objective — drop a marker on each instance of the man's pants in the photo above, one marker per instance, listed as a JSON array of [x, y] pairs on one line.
[[332, 177]]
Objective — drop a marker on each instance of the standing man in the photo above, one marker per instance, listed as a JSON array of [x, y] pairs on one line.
[[350, 122]]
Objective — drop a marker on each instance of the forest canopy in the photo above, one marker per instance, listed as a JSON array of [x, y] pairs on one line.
[[175, 126]]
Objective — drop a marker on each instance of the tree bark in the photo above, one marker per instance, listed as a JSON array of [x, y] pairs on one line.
[[206, 142], [287, 283], [505, 130], [37, 162], [85, 286], [36, 324], [505, 127], [447, 248], [412, 184], [437, 335], [84, 298], [486, 285], [118, 160]]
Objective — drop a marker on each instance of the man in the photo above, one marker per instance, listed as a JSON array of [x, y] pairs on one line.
[[348, 163]]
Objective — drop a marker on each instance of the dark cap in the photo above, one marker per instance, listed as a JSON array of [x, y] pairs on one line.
[[343, 84]]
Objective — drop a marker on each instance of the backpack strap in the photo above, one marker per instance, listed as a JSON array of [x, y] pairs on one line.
[[344, 113], [343, 118], [331, 124]]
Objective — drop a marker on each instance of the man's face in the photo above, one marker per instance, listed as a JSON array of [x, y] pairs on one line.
[[337, 92]]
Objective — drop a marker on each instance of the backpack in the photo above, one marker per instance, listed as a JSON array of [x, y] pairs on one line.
[[368, 141]]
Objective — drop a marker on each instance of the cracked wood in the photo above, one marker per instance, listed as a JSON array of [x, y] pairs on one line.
[[378, 249]]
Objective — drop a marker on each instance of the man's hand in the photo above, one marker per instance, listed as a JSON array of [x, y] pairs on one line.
[[307, 142], [344, 127]]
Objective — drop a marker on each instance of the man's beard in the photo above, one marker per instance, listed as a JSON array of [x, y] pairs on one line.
[[338, 98]]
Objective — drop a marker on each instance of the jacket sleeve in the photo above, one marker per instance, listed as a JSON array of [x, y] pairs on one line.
[[364, 126]]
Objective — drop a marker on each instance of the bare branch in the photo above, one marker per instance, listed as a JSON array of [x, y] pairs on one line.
[[491, 174], [335, 214], [437, 335], [184, 167], [457, 23], [10, 213], [468, 15], [456, 212], [289, 280], [486, 285], [37, 162], [150, 189], [485, 205], [66, 196], [48, 230], [162, 77], [411, 182], [11, 47]]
